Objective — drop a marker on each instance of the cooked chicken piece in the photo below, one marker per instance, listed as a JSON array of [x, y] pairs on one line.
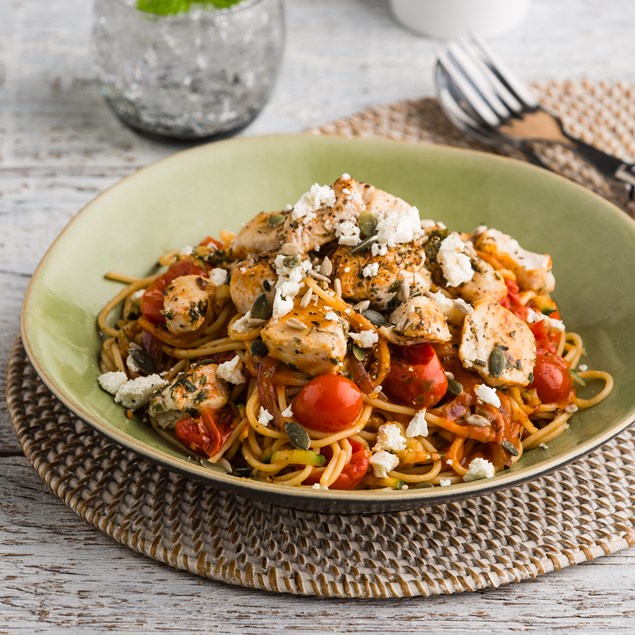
[[378, 278], [190, 392], [497, 345], [307, 340], [532, 270], [417, 320], [454, 309], [250, 279], [316, 216], [486, 283], [262, 233], [185, 302]]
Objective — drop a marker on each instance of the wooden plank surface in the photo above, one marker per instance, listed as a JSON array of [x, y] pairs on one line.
[[59, 147]]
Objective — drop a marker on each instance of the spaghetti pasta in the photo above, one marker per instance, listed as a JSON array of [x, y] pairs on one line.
[[344, 343]]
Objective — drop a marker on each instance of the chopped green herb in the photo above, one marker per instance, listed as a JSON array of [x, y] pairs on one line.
[[547, 311]]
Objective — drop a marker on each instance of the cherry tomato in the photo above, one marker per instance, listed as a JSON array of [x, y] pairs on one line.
[[207, 434], [552, 380], [353, 472], [209, 240], [328, 403], [512, 301], [418, 380], [152, 300]]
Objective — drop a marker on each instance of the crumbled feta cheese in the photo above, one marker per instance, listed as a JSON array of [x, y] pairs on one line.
[[291, 270], [264, 417], [218, 276], [346, 176], [479, 468], [389, 437], [571, 408], [230, 372], [487, 394], [395, 227], [582, 367], [242, 325], [418, 426], [132, 365], [112, 381], [455, 264], [383, 462], [318, 196], [319, 486], [427, 223], [331, 316], [137, 295], [370, 271], [136, 392], [287, 412], [378, 250], [552, 323], [450, 462], [186, 251], [453, 309], [347, 233], [365, 339], [445, 482], [347, 269]]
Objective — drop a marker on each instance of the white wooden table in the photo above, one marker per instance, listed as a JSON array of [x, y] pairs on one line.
[[59, 147]]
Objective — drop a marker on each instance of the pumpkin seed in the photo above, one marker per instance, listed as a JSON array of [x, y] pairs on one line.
[[143, 361], [365, 244], [496, 362], [258, 348], [291, 261], [374, 317], [318, 276], [511, 448], [359, 353], [244, 472], [326, 268], [213, 466], [454, 387], [294, 323], [367, 222], [290, 249], [297, 436], [423, 485], [478, 421], [403, 292], [261, 309], [275, 219]]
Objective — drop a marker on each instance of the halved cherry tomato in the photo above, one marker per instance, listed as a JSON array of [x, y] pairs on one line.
[[328, 403], [552, 380], [209, 240], [418, 380], [207, 434], [512, 301], [353, 472], [152, 300]]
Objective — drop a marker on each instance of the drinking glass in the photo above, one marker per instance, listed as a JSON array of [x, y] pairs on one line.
[[204, 73]]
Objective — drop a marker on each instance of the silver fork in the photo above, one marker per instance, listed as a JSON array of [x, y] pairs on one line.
[[484, 99]]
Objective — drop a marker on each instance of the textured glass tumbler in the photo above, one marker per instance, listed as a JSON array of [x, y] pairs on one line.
[[196, 75]]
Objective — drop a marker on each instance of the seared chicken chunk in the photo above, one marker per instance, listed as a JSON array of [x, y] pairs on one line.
[[262, 233], [497, 345], [486, 283], [378, 278], [190, 392], [417, 320], [532, 270], [185, 302], [306, 339], [250, 279]]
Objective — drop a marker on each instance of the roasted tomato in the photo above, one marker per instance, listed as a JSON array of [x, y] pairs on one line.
[[552, 379], [152, 300], [417, 379], [353, 472], [328, 403], [207, 434]]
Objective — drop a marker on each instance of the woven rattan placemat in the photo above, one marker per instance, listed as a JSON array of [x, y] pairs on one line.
[[581, 512]]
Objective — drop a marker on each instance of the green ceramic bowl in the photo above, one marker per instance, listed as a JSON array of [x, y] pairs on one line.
[[201, 191]]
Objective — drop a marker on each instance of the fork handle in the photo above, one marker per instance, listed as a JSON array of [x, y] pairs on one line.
[[606, 164]]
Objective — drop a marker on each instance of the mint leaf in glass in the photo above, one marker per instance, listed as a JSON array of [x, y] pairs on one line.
[[172, 7]]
